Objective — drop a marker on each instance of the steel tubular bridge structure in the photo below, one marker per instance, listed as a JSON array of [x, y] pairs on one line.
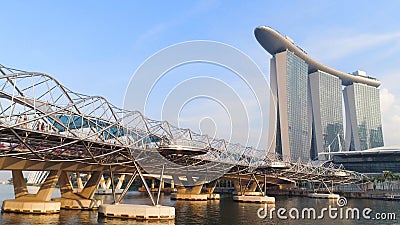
[[44, 126]]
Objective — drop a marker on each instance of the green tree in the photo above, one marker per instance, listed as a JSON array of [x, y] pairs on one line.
[[388, 175]]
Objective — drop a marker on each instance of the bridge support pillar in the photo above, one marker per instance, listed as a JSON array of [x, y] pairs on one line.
[[251, 191], [105, 189], [139, 212], [191, 194], [81, 200], [286, 186], [181, 189], [252, 187], [210, 190], [38, 203], [79, 181], [196, 189], [236, 185], [162, 185], [250, 194]]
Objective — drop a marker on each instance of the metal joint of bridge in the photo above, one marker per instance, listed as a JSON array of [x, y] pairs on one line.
[[327, 173]]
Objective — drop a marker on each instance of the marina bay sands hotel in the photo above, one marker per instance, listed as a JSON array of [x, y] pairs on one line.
[[308, 103]]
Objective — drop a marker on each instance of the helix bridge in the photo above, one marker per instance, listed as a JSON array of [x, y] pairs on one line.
[[45, 126]]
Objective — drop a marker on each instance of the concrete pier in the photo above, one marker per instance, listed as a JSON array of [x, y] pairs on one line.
[[85, 204], [155, 190], [38, 203], [189, 196], [213, 196], [34, 207], [254, 199], [249, 193], [139, 212], [108, 191], [82, 200], [322, 195]]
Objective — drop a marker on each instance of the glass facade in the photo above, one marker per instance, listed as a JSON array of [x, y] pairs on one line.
[[298, 105], [370, 161], [310, 111], [366, 127], [326, 91]]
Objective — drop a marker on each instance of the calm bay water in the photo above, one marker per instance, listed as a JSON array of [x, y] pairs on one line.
[[223, 211]]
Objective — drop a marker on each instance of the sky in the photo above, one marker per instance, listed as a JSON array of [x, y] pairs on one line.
[[94, 47]]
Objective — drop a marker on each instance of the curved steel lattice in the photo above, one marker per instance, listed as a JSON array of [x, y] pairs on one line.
[[42, 120]]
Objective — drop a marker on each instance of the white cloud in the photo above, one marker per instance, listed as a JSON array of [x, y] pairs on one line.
[[337, 44], [390, 107]]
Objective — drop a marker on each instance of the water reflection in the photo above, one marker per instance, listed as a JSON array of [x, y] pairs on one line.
[[117, 221], [223, 211], [24, 219]]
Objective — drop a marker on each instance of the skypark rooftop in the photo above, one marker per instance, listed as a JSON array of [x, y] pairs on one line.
[[274, 42]]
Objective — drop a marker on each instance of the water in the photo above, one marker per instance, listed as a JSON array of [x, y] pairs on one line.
[[223, 211]]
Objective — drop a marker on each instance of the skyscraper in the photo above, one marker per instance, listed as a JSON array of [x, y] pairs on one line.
[[326, 95], [363, 116], [308, 97], [289, 81]]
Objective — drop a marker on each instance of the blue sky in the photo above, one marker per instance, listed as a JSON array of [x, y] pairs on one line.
[[94, 47]]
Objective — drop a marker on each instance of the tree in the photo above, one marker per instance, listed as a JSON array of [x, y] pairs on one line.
[[388, 175]]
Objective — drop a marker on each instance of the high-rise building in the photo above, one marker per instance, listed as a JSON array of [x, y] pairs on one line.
[[307, 98], [363, 116], [289, 80], [326, 95]]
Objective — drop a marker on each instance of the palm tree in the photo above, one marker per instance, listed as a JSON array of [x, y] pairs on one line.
[[389, 177]]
